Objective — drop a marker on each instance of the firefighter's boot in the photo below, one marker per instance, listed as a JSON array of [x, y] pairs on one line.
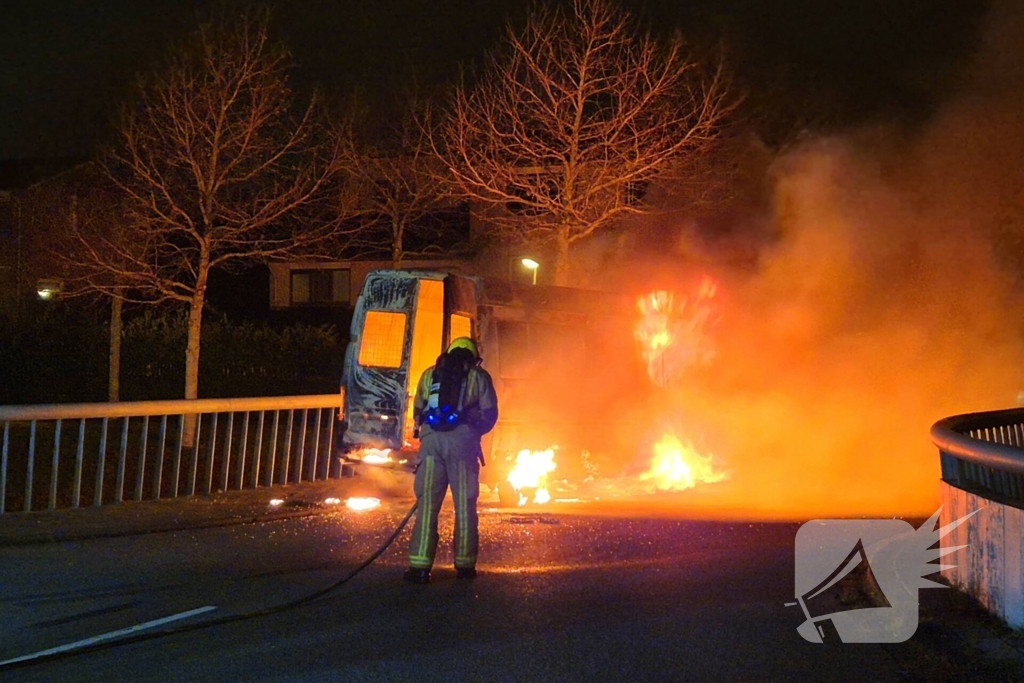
[[414, 575]]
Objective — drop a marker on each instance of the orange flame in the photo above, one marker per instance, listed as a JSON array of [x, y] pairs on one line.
[[677, 466], [373, 456], [361, 504], [674, 337], [531, 472]]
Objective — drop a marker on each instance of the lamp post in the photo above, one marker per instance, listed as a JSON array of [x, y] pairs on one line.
[[530, 264], [49, 289]]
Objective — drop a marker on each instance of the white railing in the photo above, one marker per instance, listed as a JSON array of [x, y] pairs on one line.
[[198, 446]]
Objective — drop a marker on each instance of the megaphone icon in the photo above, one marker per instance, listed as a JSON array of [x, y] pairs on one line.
[[850, 586], [849, 604]]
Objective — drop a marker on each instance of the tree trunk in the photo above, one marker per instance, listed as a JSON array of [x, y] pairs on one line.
[[195, 326], [562, 258], [114, 376], [397, 251]]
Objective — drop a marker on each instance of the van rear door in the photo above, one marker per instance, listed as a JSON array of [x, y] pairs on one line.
[[376, 372]]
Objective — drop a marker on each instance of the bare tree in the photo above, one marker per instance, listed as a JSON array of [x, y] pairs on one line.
[[216, 168], [68, 212], [395, 183], [573, 118]]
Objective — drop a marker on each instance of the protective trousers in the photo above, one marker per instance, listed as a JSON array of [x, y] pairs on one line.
[[447, 459]]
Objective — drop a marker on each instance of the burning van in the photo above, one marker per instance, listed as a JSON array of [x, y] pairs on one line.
[[563, 362]]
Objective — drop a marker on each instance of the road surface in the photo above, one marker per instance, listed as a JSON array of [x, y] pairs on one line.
[[560, 597]]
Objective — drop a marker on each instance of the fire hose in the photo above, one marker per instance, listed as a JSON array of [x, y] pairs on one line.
[[229, 619]]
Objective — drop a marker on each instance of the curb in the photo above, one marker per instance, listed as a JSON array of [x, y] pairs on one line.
[[61, 536], [222, 509]]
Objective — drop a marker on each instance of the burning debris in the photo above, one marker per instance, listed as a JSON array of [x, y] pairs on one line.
[[674, 336], [677, 466], [530, 473], [372, 456], [361, 504]]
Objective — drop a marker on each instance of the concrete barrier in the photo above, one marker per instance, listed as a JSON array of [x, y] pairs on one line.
[[990, 565]]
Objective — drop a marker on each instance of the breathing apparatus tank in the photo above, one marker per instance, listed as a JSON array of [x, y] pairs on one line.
[[447, 397]]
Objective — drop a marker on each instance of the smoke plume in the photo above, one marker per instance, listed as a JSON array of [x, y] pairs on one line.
[[888, 299]]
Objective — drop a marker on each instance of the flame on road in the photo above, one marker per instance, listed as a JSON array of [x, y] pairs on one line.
[[361, 504], [677, 466], [530, 473], [674, 334], [373, 456]]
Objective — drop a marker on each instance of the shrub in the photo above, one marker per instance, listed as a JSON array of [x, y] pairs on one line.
[[58, 353]]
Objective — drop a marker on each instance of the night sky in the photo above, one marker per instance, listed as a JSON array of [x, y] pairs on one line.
[[65, 65]]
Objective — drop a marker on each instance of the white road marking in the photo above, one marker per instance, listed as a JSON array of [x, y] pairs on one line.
[[111, 635]]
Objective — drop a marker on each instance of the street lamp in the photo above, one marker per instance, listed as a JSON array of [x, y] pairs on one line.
[[49, 289], [530, 264]]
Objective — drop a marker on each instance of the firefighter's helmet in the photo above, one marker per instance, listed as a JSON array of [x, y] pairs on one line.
[[464, 343]]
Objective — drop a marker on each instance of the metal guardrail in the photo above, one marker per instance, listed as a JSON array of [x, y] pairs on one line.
[[235, 442], [983, 453]]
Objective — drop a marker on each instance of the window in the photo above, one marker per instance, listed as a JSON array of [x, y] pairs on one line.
[[460, 326], [321, 287], [383, 339]]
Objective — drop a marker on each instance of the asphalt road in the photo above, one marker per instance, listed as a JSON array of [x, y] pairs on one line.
[[560, 598]]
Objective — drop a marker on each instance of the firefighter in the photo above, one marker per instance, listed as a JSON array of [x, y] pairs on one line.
[[450, 454]]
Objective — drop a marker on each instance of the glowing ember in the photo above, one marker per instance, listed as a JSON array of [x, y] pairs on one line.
[[332, 501], [531, 472], [275, 502], [373, 456], [677, 465], [361, 504], [674, 335]]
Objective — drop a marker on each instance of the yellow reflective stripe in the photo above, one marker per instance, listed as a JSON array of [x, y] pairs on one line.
[[464, 531], [428, 490], [423, 389], [421, 562]]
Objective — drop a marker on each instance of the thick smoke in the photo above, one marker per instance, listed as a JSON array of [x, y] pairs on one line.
[[888, 299]]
